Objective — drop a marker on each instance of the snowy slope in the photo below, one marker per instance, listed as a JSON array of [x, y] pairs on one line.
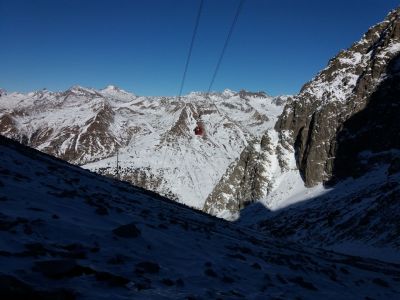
[[63, 236]]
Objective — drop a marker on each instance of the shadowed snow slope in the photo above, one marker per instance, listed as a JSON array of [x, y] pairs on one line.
[[357, 216], [67, 233]]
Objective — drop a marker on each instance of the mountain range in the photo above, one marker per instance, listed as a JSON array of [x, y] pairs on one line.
[[154, 136]]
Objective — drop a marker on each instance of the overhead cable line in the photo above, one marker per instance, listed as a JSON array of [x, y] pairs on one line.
[[196, 26], [239, 8], [190, 48]]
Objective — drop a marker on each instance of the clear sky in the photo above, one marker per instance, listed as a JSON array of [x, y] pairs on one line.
[[141, 45]]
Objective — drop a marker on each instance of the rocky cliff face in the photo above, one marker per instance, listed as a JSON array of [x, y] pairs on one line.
[[245, 181], [340, 100]]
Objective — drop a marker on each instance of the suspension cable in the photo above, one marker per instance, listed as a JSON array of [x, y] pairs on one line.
[[239, 8], [196, 26], [190, 48]]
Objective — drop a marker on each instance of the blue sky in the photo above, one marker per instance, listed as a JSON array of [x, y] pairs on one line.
[[141, 45]]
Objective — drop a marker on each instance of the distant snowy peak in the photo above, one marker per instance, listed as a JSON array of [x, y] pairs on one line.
[[83, 91], [114, 90], [228, 92], [111, 88], [41, 94]]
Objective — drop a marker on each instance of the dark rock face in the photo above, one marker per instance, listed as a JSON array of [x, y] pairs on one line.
[[340, 99], [371, 136]]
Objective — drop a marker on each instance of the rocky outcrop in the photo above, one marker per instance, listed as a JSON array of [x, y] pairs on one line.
[[141, 177], [245, 181], [8, 125], [183, 125], [248, 94], [314, 121], [81, 144], [371, 137]]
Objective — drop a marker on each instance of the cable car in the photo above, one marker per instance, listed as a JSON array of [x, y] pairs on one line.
[[199, 129]]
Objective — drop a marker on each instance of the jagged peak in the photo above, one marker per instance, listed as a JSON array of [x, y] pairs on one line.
[[245, 93], [337, 80], [81, 89], [42, 92], [113, 89], [196, 93], [228, 92]]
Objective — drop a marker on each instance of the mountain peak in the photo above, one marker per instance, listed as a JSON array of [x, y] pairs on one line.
[[228, 92], [115, 90], [80, 90], [111, 87]]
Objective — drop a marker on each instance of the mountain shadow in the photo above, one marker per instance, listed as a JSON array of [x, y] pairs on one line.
[[371, 137]]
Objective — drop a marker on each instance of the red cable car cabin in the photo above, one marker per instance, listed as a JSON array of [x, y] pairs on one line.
[[199, 130]]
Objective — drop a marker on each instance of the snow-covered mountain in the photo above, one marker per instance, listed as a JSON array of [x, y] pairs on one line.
[[67, 233], [155, 137]]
